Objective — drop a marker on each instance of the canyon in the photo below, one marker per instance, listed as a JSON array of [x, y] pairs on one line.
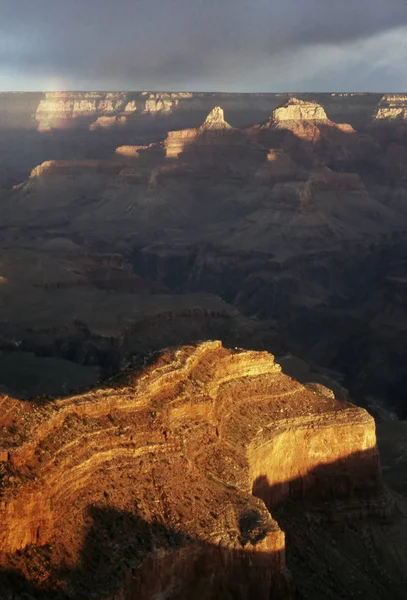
[[294, 224], [136, 229]]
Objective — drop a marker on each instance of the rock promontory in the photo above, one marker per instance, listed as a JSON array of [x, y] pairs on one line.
[[166, 481]]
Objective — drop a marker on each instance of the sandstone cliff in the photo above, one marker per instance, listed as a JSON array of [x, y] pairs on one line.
[[60, 109], [78, 109], [299, 110], [303, 129], [391, 107], [191, 454]]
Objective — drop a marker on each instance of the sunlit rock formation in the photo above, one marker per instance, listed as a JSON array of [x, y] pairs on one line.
[[63, 168], [192, 452], [61, 109], [391, 107], [299, 219], [162, 102], [215, 122], [216, 144], [299, 110], [302, 129], [305, 119], [130, 151], [108, 123]]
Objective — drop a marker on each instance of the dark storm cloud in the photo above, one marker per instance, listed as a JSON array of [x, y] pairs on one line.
[[160, 44]]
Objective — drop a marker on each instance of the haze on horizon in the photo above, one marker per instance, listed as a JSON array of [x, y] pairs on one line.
[[206, 45]]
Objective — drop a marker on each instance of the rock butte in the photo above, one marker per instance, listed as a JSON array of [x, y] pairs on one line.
[[299, 110], [391, 107], [207, 134], [308, 121], [58, 109], [194, 452], [61, 110]]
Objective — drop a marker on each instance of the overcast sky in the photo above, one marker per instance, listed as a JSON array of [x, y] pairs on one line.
[[230, 45]]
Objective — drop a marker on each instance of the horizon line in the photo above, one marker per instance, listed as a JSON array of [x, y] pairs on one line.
[[185, 91]]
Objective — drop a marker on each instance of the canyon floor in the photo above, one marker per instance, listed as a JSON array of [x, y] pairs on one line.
[[136, 222]]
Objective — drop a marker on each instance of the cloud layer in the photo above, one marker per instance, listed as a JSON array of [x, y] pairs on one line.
[[232, 45]]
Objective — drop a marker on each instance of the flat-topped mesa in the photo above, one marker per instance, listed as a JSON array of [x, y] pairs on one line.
[[303, 130], [163, 102], [298, 120], [186, 453], [63, 110], [299, 110], [391, 108], [303, 116]]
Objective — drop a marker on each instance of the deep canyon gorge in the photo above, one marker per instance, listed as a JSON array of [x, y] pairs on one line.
[[203, 315]]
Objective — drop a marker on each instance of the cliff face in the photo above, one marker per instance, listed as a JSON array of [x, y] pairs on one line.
[[61, 110], [67, 109], [391, 107], [303, 129], [186, 452], [299, 110]]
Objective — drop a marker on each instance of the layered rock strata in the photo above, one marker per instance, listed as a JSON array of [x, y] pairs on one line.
[[391, 107], [303, 129], [178, 141], [61, 109], [174, 467]]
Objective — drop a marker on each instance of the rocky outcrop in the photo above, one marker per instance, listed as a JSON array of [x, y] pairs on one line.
[[190, 452], [215, 120], [163, 103], [392, 107], [65, 167], [299, 110], [62, 109], [303, 130], [178, 141], [137, 157], [217, 144], [19, 109], [56, 110], [130, 151], [108, 123]]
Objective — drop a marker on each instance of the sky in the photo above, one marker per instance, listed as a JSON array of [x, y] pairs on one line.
[[204, 45]]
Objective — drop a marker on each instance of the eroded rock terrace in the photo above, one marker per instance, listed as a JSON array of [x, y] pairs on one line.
[[185, 455]]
